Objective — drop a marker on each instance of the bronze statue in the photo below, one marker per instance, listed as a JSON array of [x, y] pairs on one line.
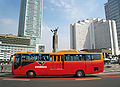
[[55, 39], [55, 31]]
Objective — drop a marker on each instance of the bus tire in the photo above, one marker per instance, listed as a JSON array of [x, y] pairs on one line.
[[30, 74], [80, 73]]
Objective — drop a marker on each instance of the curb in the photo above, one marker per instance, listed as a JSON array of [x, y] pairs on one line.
[[5, 73], [111, 71]]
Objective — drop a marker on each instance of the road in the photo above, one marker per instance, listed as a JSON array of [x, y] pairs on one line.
[[104, 80]]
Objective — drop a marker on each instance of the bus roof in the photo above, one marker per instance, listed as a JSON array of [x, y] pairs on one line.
[[68, 51], [59, 52]]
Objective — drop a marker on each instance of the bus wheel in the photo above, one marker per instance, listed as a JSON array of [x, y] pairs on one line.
[[80, 73], [30, 74]]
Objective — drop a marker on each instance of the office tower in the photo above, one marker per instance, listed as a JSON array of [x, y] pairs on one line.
[[30, 20], [112, 12], [94, 34]]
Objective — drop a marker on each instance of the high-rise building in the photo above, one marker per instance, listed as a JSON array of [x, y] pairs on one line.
[[94, 34], [30, 20], [112, 12]]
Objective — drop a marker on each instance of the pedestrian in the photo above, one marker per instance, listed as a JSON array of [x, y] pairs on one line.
[[5, 67], [1, 67]]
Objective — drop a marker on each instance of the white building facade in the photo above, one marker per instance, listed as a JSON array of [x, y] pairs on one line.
[[9, 45], [94, 34], [7, 50]]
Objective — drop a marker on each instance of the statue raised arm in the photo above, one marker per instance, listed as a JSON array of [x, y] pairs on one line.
[[55, 31]]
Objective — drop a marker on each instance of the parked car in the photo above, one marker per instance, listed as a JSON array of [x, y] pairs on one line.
[[114, 61], [106, 61]]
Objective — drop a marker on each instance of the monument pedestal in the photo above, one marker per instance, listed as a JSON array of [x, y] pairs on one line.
[[55, 43]]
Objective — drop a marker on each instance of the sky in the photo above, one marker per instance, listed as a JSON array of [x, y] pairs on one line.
[[56, 13]]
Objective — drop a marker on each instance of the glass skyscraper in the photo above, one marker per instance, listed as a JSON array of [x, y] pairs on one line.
[[30, 20], [112, 12]]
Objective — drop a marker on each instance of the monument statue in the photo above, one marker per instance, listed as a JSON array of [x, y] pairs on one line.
[[55, 39], [55, 31]]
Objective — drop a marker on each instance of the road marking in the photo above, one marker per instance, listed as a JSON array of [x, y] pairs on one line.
[[18, 79], [89, 79]]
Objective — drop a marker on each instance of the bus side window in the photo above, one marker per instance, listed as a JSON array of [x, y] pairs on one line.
[[23, 57], [42, 57], [61, 58], [58, 58], [76, 58], [96, 57], [72, 57], [67, 57], [33, 57], [47, 58], [88, 57], [39, 57], [51, 58], [55, 58], [81, 57]]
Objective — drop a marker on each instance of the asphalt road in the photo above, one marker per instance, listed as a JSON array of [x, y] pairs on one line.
[[111, 80]]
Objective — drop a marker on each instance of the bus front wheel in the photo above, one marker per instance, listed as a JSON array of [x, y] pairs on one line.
[[30, 74], [80, 73]]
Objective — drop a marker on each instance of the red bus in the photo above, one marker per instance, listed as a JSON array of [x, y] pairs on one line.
[[60, 63]]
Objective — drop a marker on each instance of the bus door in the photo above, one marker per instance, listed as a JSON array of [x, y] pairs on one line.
[[17, 64], [97, 63], [88, 65], [57, 62]]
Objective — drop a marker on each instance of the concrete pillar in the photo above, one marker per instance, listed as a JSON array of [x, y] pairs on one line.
[[115, 40]]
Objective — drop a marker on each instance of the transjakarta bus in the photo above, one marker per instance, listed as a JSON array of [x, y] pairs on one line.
[[60, 63]]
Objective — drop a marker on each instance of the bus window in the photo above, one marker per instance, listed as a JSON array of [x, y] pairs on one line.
[[36, 57], [44, 57], [23, 57], [88, 57], [72, 57], [33, 57], [51, 58], [76, 58], [55, 58], [82, 57], [17, 62], [29, 57], [61, 58], [58, 58], [96, 57], [67, 57]]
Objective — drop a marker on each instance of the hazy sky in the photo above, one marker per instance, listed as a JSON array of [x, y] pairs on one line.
[[56, 13]]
